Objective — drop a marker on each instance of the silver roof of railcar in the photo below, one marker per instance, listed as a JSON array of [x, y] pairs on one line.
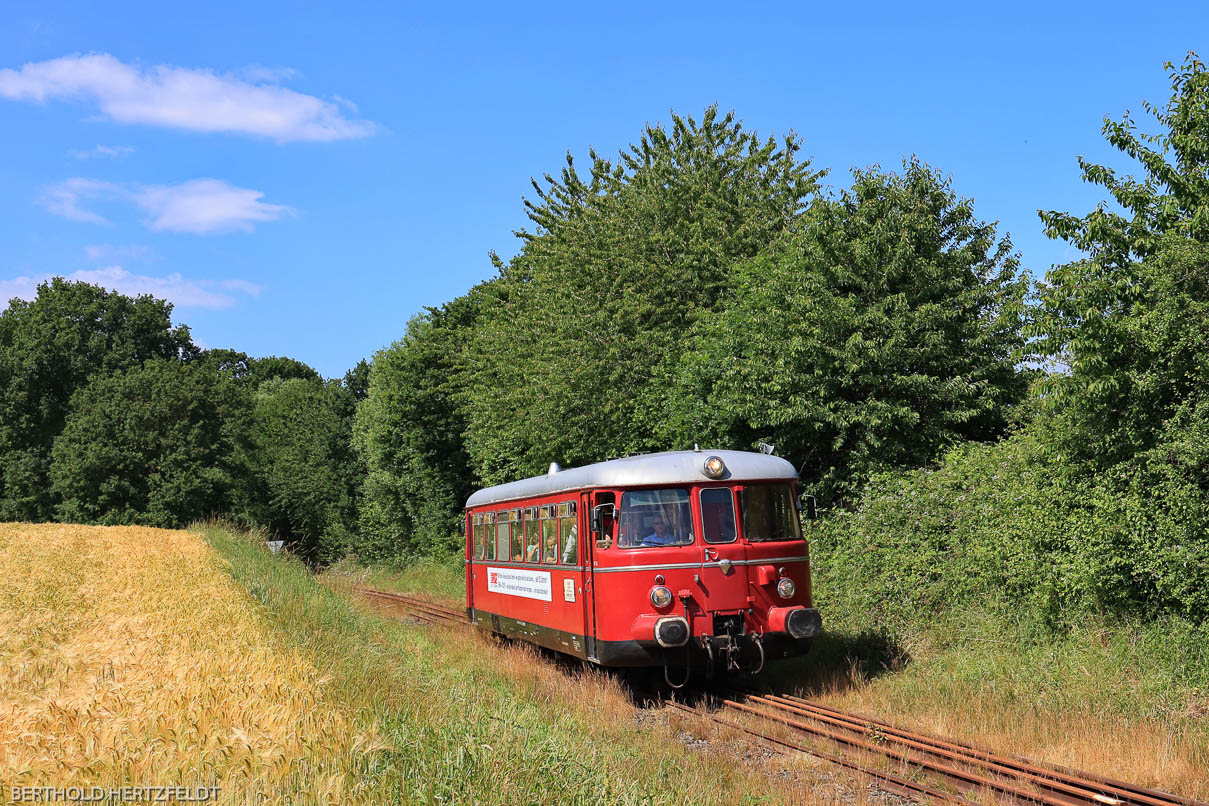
[[673, 467]]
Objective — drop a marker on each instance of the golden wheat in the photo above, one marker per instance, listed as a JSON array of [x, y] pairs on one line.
[[128, 656]]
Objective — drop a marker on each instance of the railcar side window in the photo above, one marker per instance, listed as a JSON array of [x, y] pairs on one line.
[[718, 515], [568, 531], [549, 529], [533, 540], [655, 518], [769, 513], [480, 536], [518, 537], [501, 536], [489, 534], [550, 539]]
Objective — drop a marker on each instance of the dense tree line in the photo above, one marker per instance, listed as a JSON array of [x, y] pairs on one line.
[[706, 286], [110, 414], [1098, 503]]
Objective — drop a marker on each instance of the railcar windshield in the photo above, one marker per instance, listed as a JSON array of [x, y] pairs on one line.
[[655, 518], [769, 513]]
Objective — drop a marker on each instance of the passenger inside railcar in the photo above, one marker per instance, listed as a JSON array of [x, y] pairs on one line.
[[571, 547]]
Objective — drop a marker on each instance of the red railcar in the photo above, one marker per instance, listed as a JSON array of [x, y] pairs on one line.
[[687, 558]]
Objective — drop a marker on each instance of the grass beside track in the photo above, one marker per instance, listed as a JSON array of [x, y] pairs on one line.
[[443, 582], [1109, 699], [1097, 699], [461, 720], [145, 657]]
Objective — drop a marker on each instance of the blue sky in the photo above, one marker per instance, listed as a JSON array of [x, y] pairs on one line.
[[302, 179]]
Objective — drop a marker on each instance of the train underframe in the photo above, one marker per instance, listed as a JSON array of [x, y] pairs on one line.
[[732, 646]]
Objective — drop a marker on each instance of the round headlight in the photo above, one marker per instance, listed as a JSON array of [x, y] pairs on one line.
[[661, 596], [715, 467], [786, 588]]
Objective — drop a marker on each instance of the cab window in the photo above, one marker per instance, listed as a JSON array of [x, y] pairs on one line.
[[718, 515], [769, 513], [655, 518]]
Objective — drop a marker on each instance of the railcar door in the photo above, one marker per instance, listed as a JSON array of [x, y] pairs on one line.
[[587, 559], [472, 537], [724, 572], [591, 599]]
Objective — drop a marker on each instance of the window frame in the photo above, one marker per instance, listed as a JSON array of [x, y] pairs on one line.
[[734, 515], [793, 517], [566, 528], [688, 503], [530, 538]]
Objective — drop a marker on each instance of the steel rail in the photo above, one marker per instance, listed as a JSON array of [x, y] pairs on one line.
[[956, 775], [1056, 785], [1043, 774], [945, 755], [939, 760], [420, 606], [903, 786]]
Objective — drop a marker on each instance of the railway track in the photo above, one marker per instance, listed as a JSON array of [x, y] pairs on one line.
[[962, 769], [927, 768], [420, 608]]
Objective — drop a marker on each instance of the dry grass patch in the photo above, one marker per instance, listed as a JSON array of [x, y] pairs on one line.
[[1102, 703], [697, 760], [1081, 703], [128, 656]]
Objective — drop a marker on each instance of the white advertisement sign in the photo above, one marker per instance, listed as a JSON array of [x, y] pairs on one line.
[[519, 582]]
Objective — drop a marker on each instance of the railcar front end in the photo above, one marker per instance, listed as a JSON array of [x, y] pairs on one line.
[[685, 559]]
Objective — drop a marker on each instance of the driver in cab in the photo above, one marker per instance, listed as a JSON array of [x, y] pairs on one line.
[[661, 536]]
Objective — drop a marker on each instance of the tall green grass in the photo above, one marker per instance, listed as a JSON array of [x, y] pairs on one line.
[[440, 578], [466, 722]]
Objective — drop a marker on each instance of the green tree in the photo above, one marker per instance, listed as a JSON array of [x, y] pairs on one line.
[[252, 372], [884, 328], [1127, 324], [49, 349], [572, 359], [156, 444], [356, 380], [409, 433], [304, 466]]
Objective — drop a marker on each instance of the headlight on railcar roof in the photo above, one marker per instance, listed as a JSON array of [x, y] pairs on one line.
[[715, 467], [786, 589], [661, 596]]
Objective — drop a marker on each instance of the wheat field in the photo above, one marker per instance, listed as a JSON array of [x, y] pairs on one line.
[[129, 657]]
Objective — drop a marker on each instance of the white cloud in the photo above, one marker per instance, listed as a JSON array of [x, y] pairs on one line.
[[113, 152], [176, 289], [259, 74], [204, 206], [107, 251], [64, 199], [198, 206], [184, 98]]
